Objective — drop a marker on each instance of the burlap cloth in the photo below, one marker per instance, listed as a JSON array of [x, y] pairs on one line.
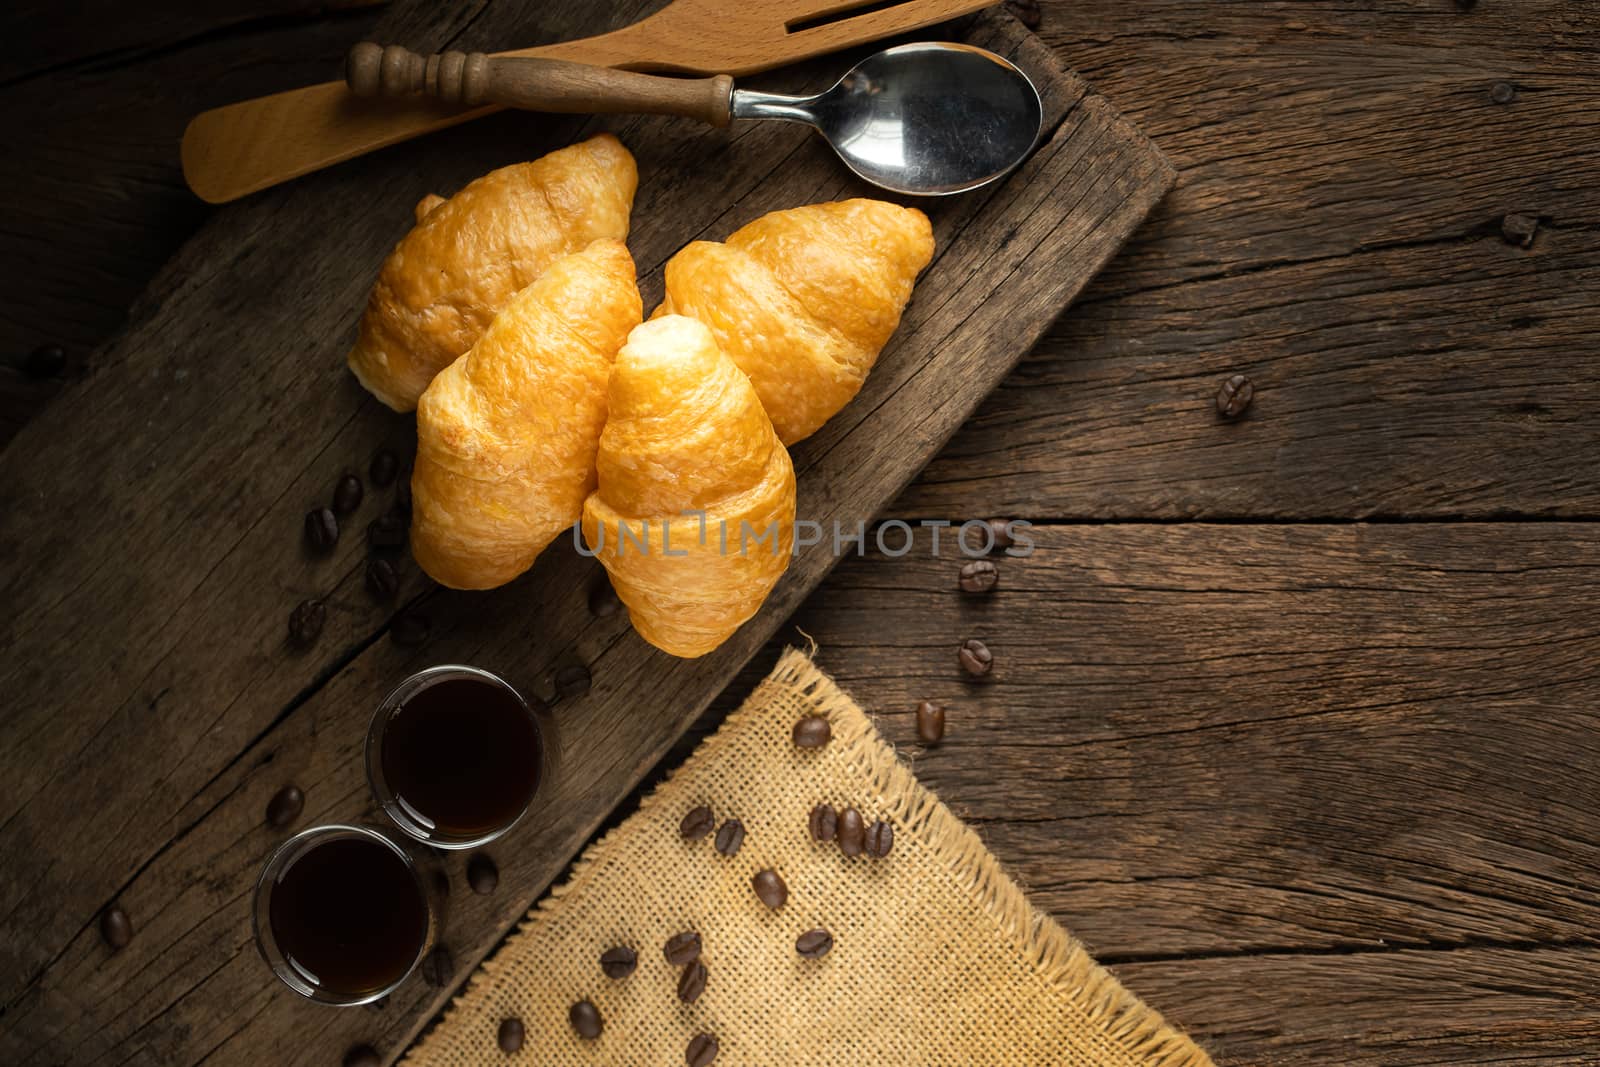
[[938, 957]]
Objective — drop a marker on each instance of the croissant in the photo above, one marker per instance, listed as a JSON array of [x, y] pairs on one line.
[[506, 435], [467, 255], [803, 300], [694, 513]]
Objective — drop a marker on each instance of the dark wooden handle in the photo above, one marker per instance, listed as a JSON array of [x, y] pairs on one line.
[[473, 79]]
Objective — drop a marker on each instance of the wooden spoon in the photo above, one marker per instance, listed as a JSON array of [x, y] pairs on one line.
[[233, 151]]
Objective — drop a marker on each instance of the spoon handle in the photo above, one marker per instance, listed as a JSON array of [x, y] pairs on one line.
[[475, 79]]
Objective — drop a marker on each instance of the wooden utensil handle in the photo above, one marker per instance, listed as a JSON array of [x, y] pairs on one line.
[[473, 79]]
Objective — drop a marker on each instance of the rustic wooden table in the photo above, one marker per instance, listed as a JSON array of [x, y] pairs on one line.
[[1293, 719]]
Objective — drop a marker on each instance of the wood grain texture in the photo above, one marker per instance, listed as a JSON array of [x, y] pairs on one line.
[[226, 411]]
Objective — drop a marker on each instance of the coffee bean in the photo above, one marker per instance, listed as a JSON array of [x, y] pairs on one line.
[[347, 494], [692, 982], [770, 889], [1027, 12], [978, 576], [618, 962], [322, 530], [814, 944], [385, 465], [702, 1051], [285, 807], [306, 621], [824, 822], [1502, 93], [1234, 395], [383, 581], [573, 681], [975, 657], [1519, 229], [697, 824], [682, 949], [930, 722], [439, 966], [402, 496], [410, 629], [603, 599], [1000, 533], [482, 875], [852, 832], [362, 1056], [387, 532], [730, 837], [585, 1019], [116, 930], [512, 1033], [880, 838], [812, 731], [46, 361]]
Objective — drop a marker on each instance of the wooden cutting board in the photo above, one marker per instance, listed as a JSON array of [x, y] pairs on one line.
[[152, 540]]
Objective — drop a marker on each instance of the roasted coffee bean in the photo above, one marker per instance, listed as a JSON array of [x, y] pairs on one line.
[[573, 681], [812, 731], [347, 494], [362, 1056], [930, 722], [618, 962], [1502, 93], [322, 530], [410, 629], [702, 1051], [692, 982], [1234, 395], [1519, 229], [814, 943], [1027, 12], [402, 496], [439, 966], [880, 839], [383, 581], [46, 361], [387, 532], [512, 1033], [603, 599], [1000, 533], [116, 930], [697, 824], [824, 822], [730, 837], [975, 657], [385, 465], [682, 949], [586, 1020], [285, 807], [978, 576], [852, 832], [770, 889], [306, 620], [482, 875]]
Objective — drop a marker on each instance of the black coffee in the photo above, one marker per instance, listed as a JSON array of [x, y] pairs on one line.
[[463, 756], [349, 916]]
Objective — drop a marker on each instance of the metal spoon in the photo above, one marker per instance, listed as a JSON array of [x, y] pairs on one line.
[[926, 119]]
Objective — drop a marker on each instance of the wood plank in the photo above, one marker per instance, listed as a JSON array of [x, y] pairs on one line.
[[191, 676]]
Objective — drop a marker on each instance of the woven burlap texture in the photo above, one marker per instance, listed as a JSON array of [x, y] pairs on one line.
[[938, 957]]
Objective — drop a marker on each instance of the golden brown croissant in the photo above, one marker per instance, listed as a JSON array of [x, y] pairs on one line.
[[804, 300], [686, 433], [467, 255], [506, 435]]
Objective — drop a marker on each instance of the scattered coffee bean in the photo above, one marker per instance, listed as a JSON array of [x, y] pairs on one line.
[[362, 1056], [1000, 532], [46, 361], [770, 889], [730, 837], [285, 807], [1519, 229], [586, 1020], [1027, 12], [322, 530], [702, 1051], [402, 496], [603, 599], [512, 1033], [852, 832], [824, 822], [306, 621], [814, 944], [116, 930], [1502, 93], [383, 581], [482, 875], [682, 949], [697, 824], [812, 731], [385, 465], [618, 962], [573, 681], [975, 657], [978, 576], [930, 722], [410, 629], [439, 966], [347, 494], [880, 839], [1234, 396], [692, 982], [387, 532]]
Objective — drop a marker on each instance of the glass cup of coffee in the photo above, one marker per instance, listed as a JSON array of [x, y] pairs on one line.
[[455, 756], [343, 914]]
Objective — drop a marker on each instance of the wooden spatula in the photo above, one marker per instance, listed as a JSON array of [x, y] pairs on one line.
[[236, 150]]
